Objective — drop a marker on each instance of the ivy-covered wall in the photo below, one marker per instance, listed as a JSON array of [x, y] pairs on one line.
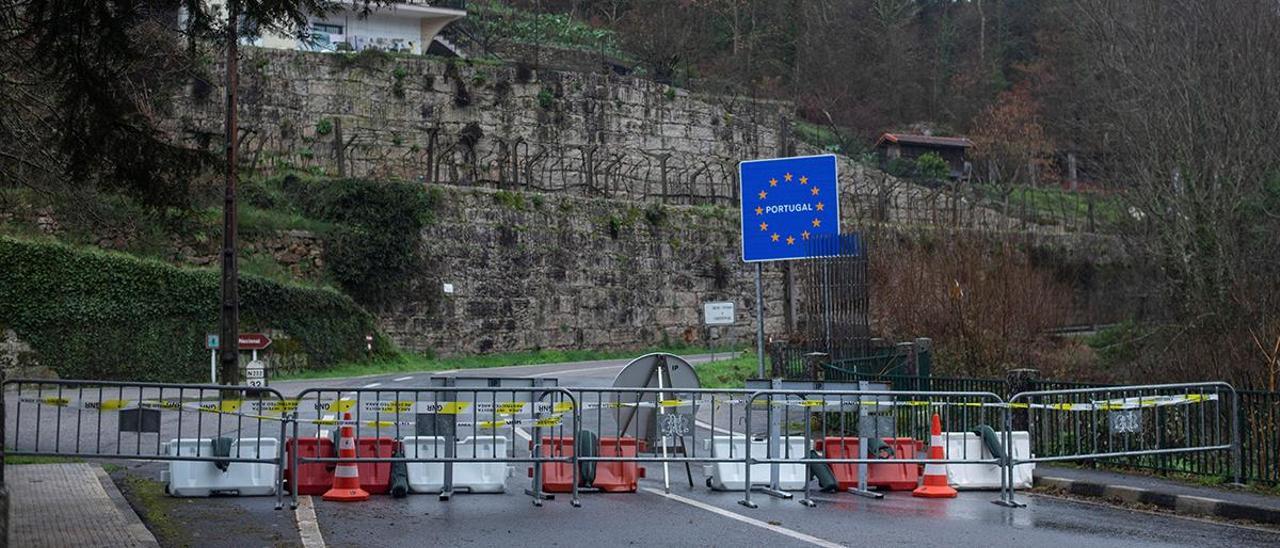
[[99, 315]]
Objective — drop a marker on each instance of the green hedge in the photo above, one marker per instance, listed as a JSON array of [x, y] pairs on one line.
[[90, 314]]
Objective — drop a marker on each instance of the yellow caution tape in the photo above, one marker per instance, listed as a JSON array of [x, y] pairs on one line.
[[287, 409]]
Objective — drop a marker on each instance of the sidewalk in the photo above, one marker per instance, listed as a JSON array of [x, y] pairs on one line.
[[1181, 498], [70, 505]]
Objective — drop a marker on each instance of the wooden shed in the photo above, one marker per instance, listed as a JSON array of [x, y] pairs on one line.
[[910, 147]]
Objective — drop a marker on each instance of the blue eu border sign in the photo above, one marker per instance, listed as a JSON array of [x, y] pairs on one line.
[[785, 203]]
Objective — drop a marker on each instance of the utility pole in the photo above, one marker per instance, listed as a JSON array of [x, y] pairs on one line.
[[229, 321]]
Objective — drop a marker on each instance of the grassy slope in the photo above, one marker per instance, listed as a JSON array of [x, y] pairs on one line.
[[410, 363], [728, 373]]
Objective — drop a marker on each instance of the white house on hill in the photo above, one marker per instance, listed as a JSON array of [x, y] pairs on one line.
[[409, 27]]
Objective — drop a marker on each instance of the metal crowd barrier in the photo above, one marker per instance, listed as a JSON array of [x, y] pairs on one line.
[[662, 425], [449, 412], [138, 420], [1128, 423], [101, 419], [865, 414]]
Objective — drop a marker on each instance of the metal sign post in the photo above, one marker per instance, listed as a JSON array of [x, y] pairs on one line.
[[759, 322], [785, 202], [211, 343]]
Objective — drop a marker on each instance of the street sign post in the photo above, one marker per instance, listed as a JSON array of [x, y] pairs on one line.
[[247, 341], [211, 343], [784, 203]]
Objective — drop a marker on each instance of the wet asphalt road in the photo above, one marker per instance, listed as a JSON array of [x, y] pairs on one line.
[[651, 519], [691, 517], [648, 518]]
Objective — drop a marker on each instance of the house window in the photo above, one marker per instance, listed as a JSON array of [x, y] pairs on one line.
[[326, 28]]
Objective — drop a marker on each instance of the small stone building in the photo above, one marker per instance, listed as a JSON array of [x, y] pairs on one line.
[[902, 145]]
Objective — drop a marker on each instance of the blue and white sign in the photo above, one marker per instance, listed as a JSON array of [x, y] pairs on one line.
[[785, 203]]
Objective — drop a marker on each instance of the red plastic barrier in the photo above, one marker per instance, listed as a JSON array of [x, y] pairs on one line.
[[617, 477], [889, 475], [611, 477], [315, 478]]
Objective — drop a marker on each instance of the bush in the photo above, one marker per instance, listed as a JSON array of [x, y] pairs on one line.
[[900, 167], [372, 248], [931, 166], [98, 315]]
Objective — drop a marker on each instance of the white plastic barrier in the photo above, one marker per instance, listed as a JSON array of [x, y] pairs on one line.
[[731, 476], [202, 478], [475, 477], [967, 445]]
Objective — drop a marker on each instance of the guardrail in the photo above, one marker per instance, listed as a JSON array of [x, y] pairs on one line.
[[444, 412], [1130, 422], [153, 421], [664, 425], [875, 411], [733, 428]]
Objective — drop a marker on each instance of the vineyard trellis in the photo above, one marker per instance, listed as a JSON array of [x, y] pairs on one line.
[[868, 197]]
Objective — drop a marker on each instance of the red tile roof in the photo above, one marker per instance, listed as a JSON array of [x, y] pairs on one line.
[[925, 140]]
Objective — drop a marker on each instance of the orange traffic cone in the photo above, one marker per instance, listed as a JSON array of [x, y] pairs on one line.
[[935, 475], [346, 478]]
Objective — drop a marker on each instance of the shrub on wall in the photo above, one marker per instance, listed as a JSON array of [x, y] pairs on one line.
[[373, 248], [96, 315]]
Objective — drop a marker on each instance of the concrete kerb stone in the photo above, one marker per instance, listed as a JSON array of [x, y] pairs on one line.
[[1179, 504]]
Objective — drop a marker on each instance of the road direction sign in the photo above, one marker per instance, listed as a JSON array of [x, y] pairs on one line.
[[717, 313], [254, 341], [255, 373], [785, 203]]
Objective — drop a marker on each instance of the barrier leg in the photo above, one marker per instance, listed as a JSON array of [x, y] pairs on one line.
[[450, 451], [808, 418], [536, 488], [861, 490], [577, 435], [772, 448], [746, 459], [284, 426], [1006, 466], [746, 487], [293, 485]]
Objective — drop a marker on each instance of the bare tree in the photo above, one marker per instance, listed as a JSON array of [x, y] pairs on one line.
[[1183, 103]]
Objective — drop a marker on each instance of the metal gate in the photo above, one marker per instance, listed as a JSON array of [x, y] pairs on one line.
[[835, 296]]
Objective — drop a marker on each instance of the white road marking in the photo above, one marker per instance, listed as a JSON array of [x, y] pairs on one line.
[[749, 521], [715, 429], [524, 434], [308, 526], [373, 385], [402, 379], [577, 371]]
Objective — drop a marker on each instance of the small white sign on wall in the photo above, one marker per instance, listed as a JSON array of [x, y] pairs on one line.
[[718, 313], [448, 289]]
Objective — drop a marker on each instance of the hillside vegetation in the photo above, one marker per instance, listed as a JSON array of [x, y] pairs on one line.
[[91, 314]]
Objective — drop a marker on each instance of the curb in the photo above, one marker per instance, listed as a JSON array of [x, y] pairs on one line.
[[1178, 504]]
